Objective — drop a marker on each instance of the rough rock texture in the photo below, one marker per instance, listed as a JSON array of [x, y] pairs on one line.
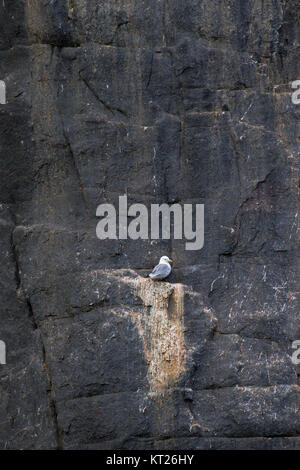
[[186, 101]]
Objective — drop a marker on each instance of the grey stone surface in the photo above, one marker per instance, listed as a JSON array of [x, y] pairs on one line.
[[186, 101]]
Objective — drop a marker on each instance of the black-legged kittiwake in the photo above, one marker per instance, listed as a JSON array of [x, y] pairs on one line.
[[162, 270]]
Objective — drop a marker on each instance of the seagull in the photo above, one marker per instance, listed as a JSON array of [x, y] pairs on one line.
[[161, 270]]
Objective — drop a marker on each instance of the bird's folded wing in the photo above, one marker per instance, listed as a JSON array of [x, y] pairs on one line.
[[160, 270]]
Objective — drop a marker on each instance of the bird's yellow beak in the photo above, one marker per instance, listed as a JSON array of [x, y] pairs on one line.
[[170, 260]]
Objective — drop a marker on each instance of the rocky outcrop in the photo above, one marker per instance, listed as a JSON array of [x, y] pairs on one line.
[[162, 329], [186, 102]]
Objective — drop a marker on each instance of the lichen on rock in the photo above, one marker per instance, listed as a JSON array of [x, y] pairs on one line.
[[162, 328]]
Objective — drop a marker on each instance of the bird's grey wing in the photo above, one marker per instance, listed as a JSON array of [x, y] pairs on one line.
[[156, 270], [160, 271]]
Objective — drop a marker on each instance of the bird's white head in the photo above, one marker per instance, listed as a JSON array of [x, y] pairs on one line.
[[165, 260]]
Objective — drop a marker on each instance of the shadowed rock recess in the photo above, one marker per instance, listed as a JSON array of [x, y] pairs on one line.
[[183, 101]]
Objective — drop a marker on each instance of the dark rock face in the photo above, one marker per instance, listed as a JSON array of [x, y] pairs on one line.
[[184, 102]]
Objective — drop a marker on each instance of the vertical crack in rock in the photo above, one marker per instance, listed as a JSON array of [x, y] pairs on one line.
[[16, 262], [21, 293], [49, 134], [53, 407], [52, 402], [162, 330]]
